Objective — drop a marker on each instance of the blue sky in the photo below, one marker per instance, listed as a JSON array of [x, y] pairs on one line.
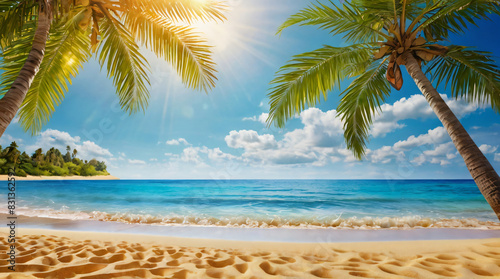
[[186, 134]]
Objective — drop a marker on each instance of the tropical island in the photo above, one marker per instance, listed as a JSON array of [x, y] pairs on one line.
[[51, 163]]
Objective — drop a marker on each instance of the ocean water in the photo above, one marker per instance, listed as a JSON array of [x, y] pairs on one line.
[[262, 203]]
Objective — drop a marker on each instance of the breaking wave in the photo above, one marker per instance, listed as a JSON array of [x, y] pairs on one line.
[[406, 222]]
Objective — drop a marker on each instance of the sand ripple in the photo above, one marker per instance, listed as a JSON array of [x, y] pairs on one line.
[[48, 256]]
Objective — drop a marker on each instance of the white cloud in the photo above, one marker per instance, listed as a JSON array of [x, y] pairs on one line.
[[253, 118], [316, 143], [382, 155], [450, 156], [136, 162], [419, 160], [177, 141], [497, 157], [250, 140], [434, 136], [348, 156], [190, 155], [262, 118], [199, 156], [90, 149], [58, 139], [487, 149], [414, 107], [153, 160], [441, 150], [320, 140], [380, 129], [434, 147], [216, 154], [8, 139]]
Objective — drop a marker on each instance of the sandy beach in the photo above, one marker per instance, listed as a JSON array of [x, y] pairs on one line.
[[4, 177], [71, 254]]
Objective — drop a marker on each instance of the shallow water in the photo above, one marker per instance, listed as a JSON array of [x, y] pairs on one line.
[[262, 203]]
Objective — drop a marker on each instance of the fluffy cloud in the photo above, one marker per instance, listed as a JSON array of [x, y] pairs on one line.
[[58, 139], [382, 155], [191, 155], [497, 157], [136, 162], [91, 150], [413, 107], [321, 129], [320, 140], [434, 147], [434, 136], [7, 139], [487, 149], [250, 140], [177, 141], [262, 118], [316, 143], [200, 155], [217, 155]]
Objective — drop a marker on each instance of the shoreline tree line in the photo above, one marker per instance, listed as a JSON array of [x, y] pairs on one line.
[[51, 163]]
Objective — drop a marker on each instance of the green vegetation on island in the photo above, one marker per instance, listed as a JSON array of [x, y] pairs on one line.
[[52, 163]]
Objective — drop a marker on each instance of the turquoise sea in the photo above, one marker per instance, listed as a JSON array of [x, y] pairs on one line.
[[262, 203]]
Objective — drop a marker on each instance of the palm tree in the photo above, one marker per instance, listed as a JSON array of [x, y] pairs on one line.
[[45, 43], [383, 35]]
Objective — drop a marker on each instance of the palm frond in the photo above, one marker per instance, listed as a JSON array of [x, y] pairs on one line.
[[186, 11], [13, 16], [447, 17], [125, 64], [356, 25], [359, 103], [66, 52], [308, 76], [384, 9], [14, 56], [471, 74], [188, 53]]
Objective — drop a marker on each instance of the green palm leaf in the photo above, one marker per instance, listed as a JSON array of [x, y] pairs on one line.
[[453, 16], [66, 52], [471, 74], [14, 56], [13, 16], [359, 102], [304, 79], [125, 64], [181, 46], [184, 11], [355, 24]]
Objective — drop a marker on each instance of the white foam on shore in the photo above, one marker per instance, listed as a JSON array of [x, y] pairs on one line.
[[405, 222]]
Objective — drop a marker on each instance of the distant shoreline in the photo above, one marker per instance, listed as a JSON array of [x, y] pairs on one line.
[[4, 177]]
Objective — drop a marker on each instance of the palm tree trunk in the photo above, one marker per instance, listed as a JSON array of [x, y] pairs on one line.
[[479, 167], [11, 102]]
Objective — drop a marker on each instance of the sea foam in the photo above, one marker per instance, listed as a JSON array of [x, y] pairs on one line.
[[403, 222]]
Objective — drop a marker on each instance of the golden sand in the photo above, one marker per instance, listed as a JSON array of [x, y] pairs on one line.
[[63, 254], [3, 177]]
